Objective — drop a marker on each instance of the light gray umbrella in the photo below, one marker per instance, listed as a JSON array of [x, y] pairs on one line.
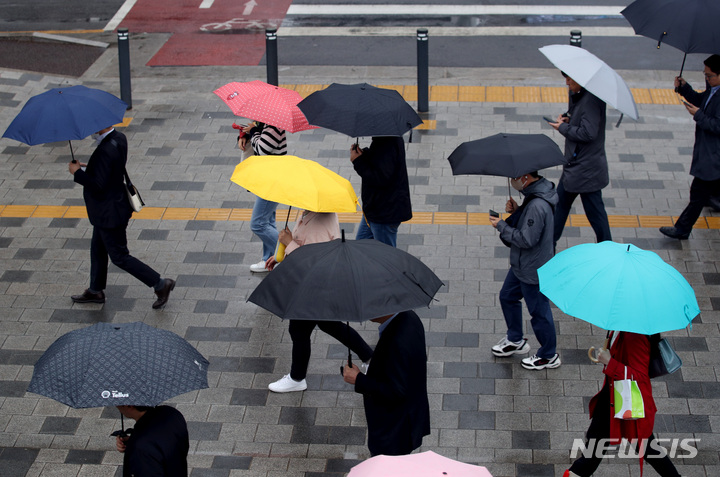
[[118, 364], [594, 75]]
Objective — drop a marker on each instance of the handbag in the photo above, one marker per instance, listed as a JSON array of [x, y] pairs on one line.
[[628, 403], [663, 358], [136, 202]]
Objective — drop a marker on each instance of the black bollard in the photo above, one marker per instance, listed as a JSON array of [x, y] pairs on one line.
[[124, 61], [576, 38], [271, 55], [422, 70]]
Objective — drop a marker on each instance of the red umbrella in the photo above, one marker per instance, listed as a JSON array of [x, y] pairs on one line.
[[266, 103]]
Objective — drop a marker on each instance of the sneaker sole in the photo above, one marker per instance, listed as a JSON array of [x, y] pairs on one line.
[[287, 390], [544, 366], [501, 354]]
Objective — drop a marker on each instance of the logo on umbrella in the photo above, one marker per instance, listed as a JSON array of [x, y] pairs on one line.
[[231, 96], [115, 394]]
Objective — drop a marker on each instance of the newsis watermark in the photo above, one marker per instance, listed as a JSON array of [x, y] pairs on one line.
[[603, 448]]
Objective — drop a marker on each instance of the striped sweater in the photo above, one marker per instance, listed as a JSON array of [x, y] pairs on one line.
[[270, 141]]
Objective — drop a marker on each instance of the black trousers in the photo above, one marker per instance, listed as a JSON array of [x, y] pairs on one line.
[[113, 243], [300, 331], [700, 193], [600, 429], [594, 211]]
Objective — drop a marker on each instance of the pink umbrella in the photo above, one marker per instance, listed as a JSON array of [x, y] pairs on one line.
[[423, 464], [266, 103]]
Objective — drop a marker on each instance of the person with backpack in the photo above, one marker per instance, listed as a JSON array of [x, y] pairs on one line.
[[529, 234]]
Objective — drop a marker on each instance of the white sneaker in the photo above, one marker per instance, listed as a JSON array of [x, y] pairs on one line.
[[258, 267], [506, 347], [286, 384]]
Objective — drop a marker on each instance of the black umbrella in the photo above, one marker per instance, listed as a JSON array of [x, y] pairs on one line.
[[352, 280], [360, 110], [506, 155], [690, 26], [118, 364]]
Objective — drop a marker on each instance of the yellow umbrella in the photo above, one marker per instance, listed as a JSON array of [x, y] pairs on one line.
[[296, 182]]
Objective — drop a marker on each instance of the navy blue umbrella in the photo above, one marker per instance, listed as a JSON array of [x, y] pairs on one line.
[[64, 114], [110, 364]]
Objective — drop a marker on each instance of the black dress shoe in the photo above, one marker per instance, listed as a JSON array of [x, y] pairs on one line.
[[164, 293], [89, 297], [673, 232]]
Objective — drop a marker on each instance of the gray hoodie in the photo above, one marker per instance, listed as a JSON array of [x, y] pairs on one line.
[[531, 240]]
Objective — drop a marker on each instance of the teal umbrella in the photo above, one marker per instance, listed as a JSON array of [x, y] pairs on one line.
[[619, 287]]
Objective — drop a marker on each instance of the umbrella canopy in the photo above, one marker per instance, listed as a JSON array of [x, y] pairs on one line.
[[619, 287], [594, 75], [423, 464], [506, 155], [118, 364], [266, 103], [688, 25], [64, 114], [296, 182], [353, 280], [360, 110]]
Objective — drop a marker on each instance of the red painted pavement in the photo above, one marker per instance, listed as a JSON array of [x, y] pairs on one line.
[[220, 35]]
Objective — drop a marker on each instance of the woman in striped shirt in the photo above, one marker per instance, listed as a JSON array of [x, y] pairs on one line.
[[266, 140]]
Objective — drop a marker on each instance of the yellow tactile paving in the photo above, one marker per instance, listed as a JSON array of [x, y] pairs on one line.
[[499, 94], [654, 221], [642, 96], [450, 218], [443, 93], [180, 214], [475, 94], [76, 212], [213, 214], [396, 87], [410, 93], [527, 94], [126, 122], [428, 124], [306, 90], [50, 211], [554, 94], [424, 218], [628, 221], [18, 211], [664, 96]]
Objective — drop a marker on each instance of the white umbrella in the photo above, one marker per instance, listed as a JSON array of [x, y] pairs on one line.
[[594, 75]]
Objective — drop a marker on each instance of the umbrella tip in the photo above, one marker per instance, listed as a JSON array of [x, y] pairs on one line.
[[343, 234], [628, 248]]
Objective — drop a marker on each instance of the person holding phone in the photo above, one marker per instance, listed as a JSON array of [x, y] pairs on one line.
[[705, 166], [586, 171]]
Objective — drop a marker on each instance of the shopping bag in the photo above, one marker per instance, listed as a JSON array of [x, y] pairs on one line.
[[628, 399]]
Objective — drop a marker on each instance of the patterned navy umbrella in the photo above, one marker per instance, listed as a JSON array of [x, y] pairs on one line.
[[111, 364]]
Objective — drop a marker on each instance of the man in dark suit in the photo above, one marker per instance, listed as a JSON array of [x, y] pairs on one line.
[[158, 444], [395, 387], [108, 209], [705, 166]]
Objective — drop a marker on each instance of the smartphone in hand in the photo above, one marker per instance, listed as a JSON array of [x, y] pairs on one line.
[[493, 213], [548, 119]]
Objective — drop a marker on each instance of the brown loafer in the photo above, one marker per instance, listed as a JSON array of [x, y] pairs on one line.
[[89, 297], [164, 293]]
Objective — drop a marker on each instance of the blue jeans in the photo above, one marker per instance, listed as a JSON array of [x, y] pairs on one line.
[[594, 211], [539, 307], [262, 223], [385, 233]]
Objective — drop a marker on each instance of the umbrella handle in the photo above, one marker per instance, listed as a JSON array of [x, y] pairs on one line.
[[72, 153], [590, 355]]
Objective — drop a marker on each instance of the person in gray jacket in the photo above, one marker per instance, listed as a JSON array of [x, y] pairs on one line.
[[586, 172], [528, 231], [705, 167]]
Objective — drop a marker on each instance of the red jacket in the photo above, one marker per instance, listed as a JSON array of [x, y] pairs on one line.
[[631, 350]]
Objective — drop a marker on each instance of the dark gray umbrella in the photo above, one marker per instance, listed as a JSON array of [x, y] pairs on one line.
[[691, 26], [118, 364], [352, 280], [506, 155], [360, 110]]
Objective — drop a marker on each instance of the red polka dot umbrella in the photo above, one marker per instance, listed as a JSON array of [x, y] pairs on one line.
[[266, 103]]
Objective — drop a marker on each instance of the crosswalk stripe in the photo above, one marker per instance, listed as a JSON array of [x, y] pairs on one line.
[[444, 10]]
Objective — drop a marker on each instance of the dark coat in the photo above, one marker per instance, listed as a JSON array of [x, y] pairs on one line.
[[706, 152], [395, 388], [385, 187], [103, 184], [587, 167], [158, 445], [631, 350]]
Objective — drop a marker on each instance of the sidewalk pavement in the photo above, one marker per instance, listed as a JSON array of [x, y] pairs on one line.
[[485, 410]]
